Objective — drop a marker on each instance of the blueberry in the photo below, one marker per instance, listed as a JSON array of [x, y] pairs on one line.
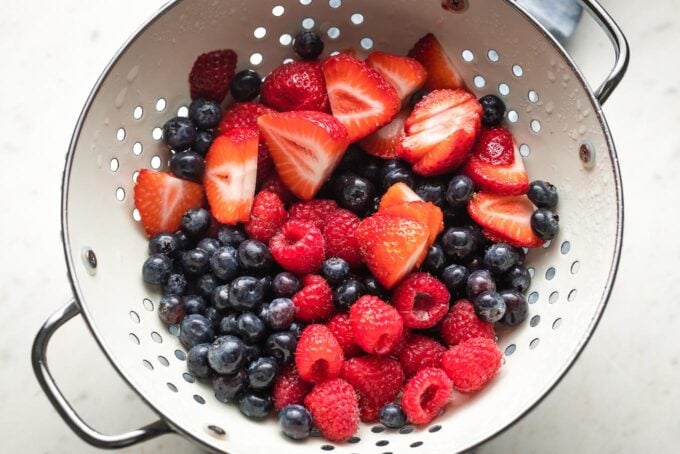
[[194, 304], [481, 241], [354, 192], [250, 328], [335, 270], [231, 236], [205, 285], [179, 133], [500, 257], [197, 361], [308, 45], [416, 97], [517, 278], [267, 282], [347, 293], [398, 175], [296, 328], [489, 306], [229, 325], [543, 194], [295, 422], [246, 293], [227, 354], [494, 110], [480, 281], [163, 243], [254, 255], [516, 307], [220, 297], [205, 114], [281, 314], [203, 141], [176, 284], [261, 373], [281, 346], [392, 416], [171, 309], [369, 168], [459, 192], [353, 158], [255, 406], [520, 255], [545, 224], [458, 242], [227, 388], [156, 269], [432, 191], [245, 86], [475, 263], [224, 263], [196, 222], [183, 241], [455, 277], [195, 262], [253, 352], [209, 245], [214, 315], [195, 329], [435, 260], [390, 165], [374, 288], [285, 285], [263, 314]]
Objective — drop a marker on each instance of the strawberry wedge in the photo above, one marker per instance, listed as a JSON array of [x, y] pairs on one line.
[[426, 213], [440, 71], [396, 194], [405, 74], [384, 142]]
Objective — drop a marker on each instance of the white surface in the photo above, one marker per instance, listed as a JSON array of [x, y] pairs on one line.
[[621, 396]]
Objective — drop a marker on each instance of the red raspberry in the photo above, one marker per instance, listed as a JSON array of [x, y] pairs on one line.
[[318, 355], [422, 300], [266, 216], [376, 379], [275, 185], [296, 86], [472, 364], [425, 395], [401, 344], [315, 211], [298, 247], [461, 324], [289, 388], [377, 326], [211, 74], [419, 353], [341, 328], [314, 301], [334, 408], [338, 233]]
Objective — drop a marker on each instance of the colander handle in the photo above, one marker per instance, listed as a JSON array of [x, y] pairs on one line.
[[80, 427], [621, 49]]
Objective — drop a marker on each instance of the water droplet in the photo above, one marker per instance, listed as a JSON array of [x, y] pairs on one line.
[[132, 75], [120, 98], [582, 129], [551, 76], [549, 107]]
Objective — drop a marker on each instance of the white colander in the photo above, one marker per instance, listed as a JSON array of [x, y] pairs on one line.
[[497, 48]]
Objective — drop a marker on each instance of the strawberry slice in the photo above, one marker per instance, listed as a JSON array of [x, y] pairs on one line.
[[360, 97], [391, 246], [230, 173], [383, 143], [441, 131], [405, 74], [496, 165], [398, 193], [506, 218], [306, 146], [162, 200], [426, 213], [440, 71]]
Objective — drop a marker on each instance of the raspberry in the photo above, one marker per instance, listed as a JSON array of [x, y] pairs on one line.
[[298, 247], [289, 388], [419, 353], [315, 211], [296, 86], [341, 328], [425, 395], [422, 300], [211, 74], [334, 408], [472, 364], [377, 326], [275, 185], [338, 233], [318, 355], [461, 324], [266, 216], [314, 301], [265, 163], [377, 380], [401, 344]]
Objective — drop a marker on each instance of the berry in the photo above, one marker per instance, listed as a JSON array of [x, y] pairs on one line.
[[289, 388], [398, 194], [250, 328], [462, 324], [245, 293], [228, 388], [480, 281], [314, 302], [194, 304], [202, 143], [281, 346], [253, 353], [425, 395], [392, 416], [156, 269], [211, 74], [205, 114], [420, 352], [224, 263], [545, 224], [459, 192], [341, 328], [281, 314], [334, 408], [516, 307], [354, 192], [347, 293], [405, 74], [194, 330], [441, 73], [374, 288], [425, 213], [339, 238], [214, 316], [231, 236], [459, 243], [227, 354], [255, 406], [416, 97], [398, 175], [245, 86], [229, 325], [499, 258], [196, 222], [171, 309], [197, 361], [472, 364], [179, 133], [242, 115], [261, 374], [195, 262], [267, 215], [377, 326], [308, 45], [421, 300], [543, 194], [517, 278], [298, 247], [494, 110], [316, 212], [377, 380], [435, 260], [285, 285], [383, 143], [163, 243], [489, 306], [432, 191], [335, 270], [295, 422], [455, 277], [220, 297], [175, 284], [390, 165], [254, 255], [318, 356], [275, 185], [505, 218], [209, 245], [295, 86]]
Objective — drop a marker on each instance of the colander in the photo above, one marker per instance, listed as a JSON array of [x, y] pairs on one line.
[[556, 118]]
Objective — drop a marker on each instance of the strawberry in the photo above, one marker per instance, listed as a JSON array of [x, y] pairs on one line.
[[162, 200], [383, 143], [441, 131], [506, 218], [391, 246], [496, 165], [440, 71], [306, 146], [426, 213], [296, 86], [230, 173], [211, 74], [397, 194], [360, 97], [405, 74]]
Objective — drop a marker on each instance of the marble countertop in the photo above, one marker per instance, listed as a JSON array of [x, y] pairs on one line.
[[621, 396]]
